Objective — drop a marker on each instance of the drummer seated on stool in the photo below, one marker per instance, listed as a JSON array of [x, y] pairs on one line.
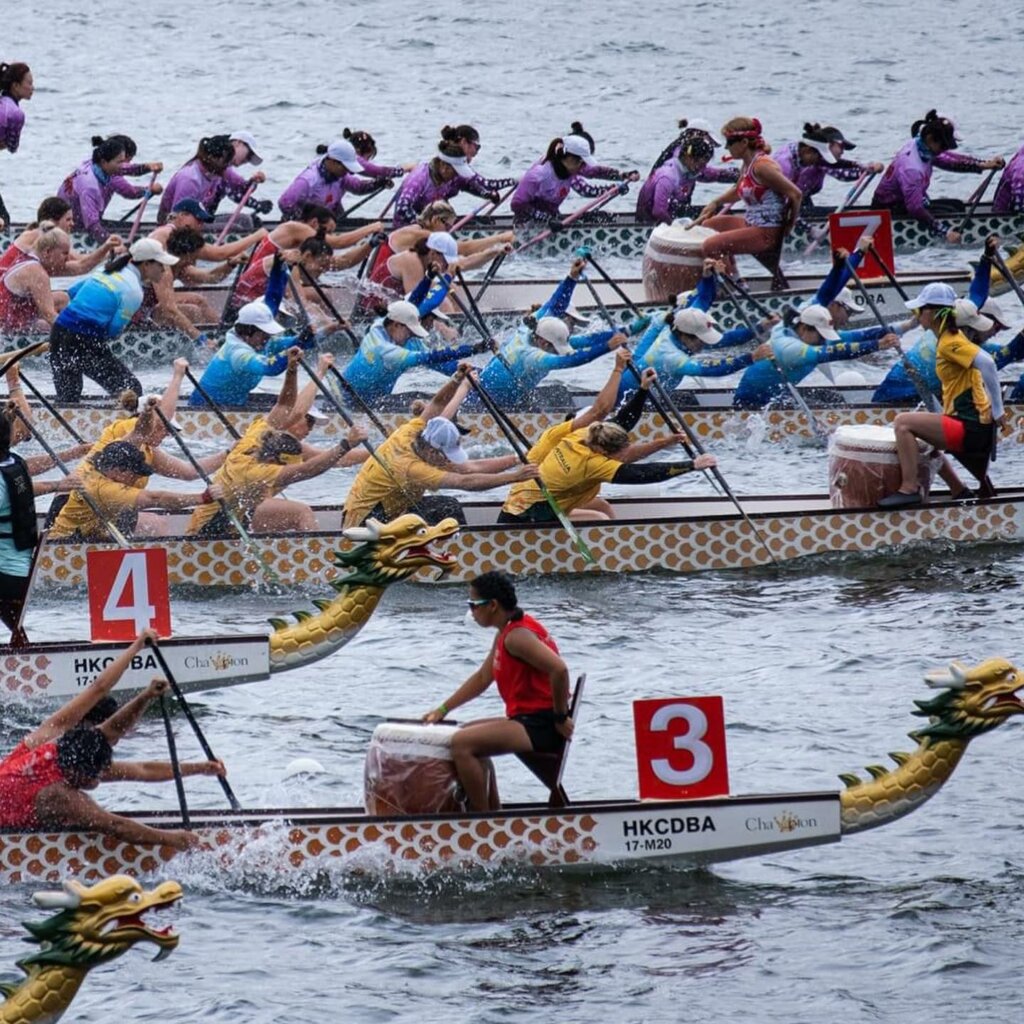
[[972, 402], [532, 680]]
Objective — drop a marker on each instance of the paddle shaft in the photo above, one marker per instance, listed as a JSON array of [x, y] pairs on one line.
[[887, 270], [210, 756], [614, 285], [473, 214], [362, 202], [217, 410], [759, 307], [238, 209], [86, 497], [32, 573], [358, 399], [172, 752], [225, 313], [326, 300], [975, 199], [137, 223], [997, 259], [48, 406], [858, 189], [474, 317]]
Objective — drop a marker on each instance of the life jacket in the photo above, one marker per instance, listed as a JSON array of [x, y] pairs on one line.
[[20, 522]]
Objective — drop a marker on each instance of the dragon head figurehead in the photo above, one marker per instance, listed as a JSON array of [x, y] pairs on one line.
[[973, 700], [99, 923], [393, 551]]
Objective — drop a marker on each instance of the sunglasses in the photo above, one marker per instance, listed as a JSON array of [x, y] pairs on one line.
[[477, 602]]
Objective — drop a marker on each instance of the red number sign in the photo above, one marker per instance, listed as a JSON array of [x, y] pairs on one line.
[[845, 230], [128, 593], [680, 748]]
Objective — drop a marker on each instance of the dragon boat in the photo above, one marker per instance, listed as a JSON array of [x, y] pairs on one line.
[[560, 833], [620, 233], [57, 671], [669, 534]]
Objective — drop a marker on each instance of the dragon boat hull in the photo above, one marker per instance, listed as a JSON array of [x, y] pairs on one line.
[[588, 834], [680, 535]]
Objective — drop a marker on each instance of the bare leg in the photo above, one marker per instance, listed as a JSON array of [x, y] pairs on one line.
[[149, 524], [277, 514], [587, 515], [909, 427], [599, 505], [485, 739]]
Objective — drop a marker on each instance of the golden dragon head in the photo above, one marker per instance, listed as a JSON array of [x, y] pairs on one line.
[[973, 700], [98, 923], [393, 551]]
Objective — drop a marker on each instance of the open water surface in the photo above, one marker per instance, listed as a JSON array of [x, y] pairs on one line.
[[819, 662]]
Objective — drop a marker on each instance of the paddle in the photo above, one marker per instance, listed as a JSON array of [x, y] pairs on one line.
[[231, 516], [997, 259], [326, 300], [519, 446], [16, 356], [888, 272], [86, 497], [463, 221], [358, 399], [238, 209], [18, 633], [819, 430], [225, 312], [586, 254], [217, 410], [930, 402], [137, 223], [476, 319], [858, 189], [172, 751], [169, 676], [973, 200], [48, 406], [347, 215]]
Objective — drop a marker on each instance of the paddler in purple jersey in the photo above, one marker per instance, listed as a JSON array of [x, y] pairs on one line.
[[325, 181], [667, 192], [16, 85], [1009, 197], [904, 186], [441, 178], [208, 177], [90, 187], [818, 153], [565, 165], [468, 139]]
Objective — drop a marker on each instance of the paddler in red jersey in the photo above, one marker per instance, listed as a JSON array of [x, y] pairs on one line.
[[532, 679], [43, 778]]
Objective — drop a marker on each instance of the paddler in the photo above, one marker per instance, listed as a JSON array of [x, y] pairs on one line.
[[468, 139], [904, 186], [1009, 196], [366, 153], [16, 86], [188, 213], [972, 401], [817, 154], [42, 781], [425, 454], [443, 177], [533, 682], [56, 212], [27, 301], [325, 181]]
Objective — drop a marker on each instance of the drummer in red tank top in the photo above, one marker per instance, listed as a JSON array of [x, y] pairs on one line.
[[533, 682]]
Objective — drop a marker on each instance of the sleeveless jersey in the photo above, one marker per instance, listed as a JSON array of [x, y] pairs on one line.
[[523, 689], [24, 773]]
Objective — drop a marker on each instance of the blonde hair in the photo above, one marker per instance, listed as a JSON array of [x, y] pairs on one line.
[[438, 208], [51, 237], [608, 437]]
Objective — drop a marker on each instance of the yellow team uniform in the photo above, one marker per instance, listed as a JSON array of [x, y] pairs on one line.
[[526, 493], [76, 520], [374, 485], [963, 390]]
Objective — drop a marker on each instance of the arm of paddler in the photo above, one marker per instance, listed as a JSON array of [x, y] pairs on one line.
[[283, 411], [159, 771], [981, 281], [476, 684], [986, 366]]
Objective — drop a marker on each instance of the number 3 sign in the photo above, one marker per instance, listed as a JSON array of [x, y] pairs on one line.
[[128, 593], [680, 748]]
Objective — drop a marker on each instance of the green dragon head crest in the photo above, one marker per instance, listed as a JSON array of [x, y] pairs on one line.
[[96, 924], [973, 700], [392, 551]]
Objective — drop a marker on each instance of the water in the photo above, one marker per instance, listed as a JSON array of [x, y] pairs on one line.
[[819, 662]]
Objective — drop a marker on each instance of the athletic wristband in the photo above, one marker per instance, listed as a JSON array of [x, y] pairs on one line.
[[560, 717], [345, 445], [443, 708], [206, 497]]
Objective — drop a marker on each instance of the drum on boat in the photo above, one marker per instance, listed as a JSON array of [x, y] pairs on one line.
[[409, 770], [863, 465], [673, 260]]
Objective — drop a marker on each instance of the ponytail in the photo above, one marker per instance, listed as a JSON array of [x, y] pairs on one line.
[[116, 263], [576, 128]]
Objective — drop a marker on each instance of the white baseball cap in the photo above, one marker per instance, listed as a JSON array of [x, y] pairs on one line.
[[442, 242], [155, 400], [406, 314], [254, 158], [696, 322], [820, 319], [966, 314], [845, 298], [345, 153], [317, 415], [147, 250], [935, 293], [460, 163], [576, 145], [257, 314], [698, 124], [995, 311], [437, 315], [821, 147], [555, 333], [576, 316], [442, 434]]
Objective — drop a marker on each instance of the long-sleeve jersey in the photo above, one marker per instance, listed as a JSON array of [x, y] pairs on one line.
[[811, 179], [237, 368], [1009, 197], [763, 382], [372, 170], [667, 191], [193, 181], [12, 120], [315, 185], [420, 189], [374, 370], [88, 190], [904, 185], [103, 304], [541, 191]]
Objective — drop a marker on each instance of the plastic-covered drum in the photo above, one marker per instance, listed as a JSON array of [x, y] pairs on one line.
[[863, 465], [409, 770], [673, 260]]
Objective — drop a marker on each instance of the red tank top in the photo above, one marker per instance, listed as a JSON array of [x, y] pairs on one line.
[[17, 312], [24, 774], [12, 257], [765, 208], [523, 689], [252, 285]]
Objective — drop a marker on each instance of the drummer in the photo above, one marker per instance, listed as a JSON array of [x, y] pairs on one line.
[[972, 402], [533, 682], [42, 781]]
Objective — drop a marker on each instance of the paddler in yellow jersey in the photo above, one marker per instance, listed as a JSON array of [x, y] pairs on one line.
[[425, 454]]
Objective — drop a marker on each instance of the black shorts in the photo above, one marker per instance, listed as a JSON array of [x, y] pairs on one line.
[[538, 512], [540, 727], [13, 588]]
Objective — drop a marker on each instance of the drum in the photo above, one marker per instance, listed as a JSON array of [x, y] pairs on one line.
[[673, 260], [409, 770], [863, 466]]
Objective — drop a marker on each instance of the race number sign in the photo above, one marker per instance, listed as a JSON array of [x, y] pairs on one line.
[[128, 593], [680, 748], [845, 230]]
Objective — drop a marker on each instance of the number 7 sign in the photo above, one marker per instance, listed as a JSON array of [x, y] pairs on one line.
[[128, 593], [846, 229]]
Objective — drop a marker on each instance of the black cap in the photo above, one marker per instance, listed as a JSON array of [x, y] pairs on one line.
[[122, 455], [835, 135]]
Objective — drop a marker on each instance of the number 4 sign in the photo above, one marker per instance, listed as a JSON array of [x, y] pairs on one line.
[[128, 593], [680, 748]]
